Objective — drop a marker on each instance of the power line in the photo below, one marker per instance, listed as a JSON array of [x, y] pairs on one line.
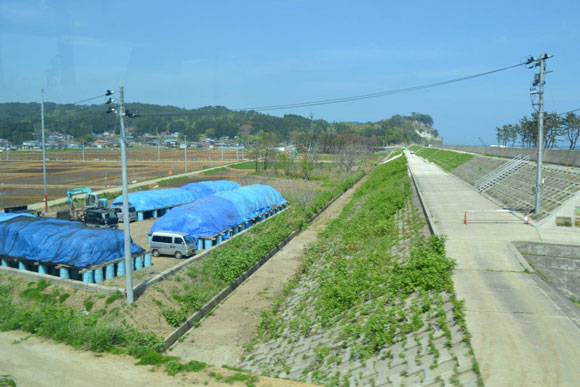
[[379, 94], [314, 102], [569, 111], [351, 98]]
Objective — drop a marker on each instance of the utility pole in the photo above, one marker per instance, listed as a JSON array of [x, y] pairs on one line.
[[126, 224], [539, 81], [83, 150], [43, 150], [158, 151], [185, 157], [311, 133], [222, 153]]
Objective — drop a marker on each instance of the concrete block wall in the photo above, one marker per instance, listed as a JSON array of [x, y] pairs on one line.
[[565, 217], [552, 156]]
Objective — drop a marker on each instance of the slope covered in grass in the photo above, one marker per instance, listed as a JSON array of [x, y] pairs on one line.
[[446, 159], [374, 301]]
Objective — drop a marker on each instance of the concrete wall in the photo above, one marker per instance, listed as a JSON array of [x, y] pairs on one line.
[[567, 216], [558, 264], [552, 156]]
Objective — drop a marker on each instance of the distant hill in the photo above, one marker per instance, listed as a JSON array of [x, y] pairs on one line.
[[18, 122]]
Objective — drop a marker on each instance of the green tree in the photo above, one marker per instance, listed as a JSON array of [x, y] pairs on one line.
[[306, 167], [571, 126]]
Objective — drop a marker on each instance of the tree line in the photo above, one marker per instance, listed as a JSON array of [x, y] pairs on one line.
[[20, 121], [556, 127]]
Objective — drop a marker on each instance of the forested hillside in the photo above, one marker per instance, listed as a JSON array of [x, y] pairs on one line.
[[19, 121]]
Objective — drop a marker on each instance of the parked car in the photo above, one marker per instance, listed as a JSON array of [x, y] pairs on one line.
[[174, 243], [101, 218], [132, 213]]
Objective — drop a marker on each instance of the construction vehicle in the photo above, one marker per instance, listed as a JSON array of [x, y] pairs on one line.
[[92, 201], [100, 218]]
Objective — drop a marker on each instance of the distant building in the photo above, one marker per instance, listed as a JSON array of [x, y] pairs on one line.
[[102, 144]]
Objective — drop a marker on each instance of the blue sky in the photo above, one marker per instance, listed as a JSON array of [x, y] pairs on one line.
[[252, 53]]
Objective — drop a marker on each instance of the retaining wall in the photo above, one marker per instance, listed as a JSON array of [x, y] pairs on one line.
[[558, 264], [552, 156]]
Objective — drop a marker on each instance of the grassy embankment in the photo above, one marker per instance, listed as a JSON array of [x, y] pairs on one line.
[[373, 277], [446, 159]]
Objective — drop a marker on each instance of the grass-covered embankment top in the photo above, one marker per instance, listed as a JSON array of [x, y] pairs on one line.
[[370, 289], [446, 159]]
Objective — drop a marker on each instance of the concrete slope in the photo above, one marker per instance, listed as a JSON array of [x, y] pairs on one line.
[[521, 336]]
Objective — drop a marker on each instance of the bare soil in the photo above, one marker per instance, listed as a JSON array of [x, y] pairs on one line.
[[21, 176], [33, 361]]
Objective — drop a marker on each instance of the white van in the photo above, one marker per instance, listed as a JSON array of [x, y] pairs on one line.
[[178, 244]]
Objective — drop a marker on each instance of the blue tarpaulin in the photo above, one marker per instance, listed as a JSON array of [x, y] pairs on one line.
[[218, 185], [219, 212], [57, 241], [173, 197], [7, 216]]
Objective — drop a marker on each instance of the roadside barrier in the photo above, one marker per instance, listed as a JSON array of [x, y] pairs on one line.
[[498, 211]]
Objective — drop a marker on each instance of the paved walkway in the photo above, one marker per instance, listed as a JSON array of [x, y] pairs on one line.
[[523, 334]]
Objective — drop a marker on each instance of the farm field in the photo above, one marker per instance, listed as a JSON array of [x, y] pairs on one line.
[[21, 175], [137, 154]]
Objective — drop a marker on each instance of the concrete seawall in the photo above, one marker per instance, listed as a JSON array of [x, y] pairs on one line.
[[552, 156]]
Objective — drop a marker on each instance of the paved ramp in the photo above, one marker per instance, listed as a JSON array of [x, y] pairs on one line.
[[522, 333]]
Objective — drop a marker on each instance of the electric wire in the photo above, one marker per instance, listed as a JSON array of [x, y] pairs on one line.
[[351, 98], [379, 94], [569, 111]]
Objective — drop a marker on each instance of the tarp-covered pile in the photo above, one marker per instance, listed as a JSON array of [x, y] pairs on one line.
[[7, 216], [221, 211], [58, 241], [173, 197]]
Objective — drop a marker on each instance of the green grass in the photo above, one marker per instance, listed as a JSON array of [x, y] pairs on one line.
[[446, 159], [7, 381], [248, 165], [179, 179], [215, 171], [114, 297], [41, 313]]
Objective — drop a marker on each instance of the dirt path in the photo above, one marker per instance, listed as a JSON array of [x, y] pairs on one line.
[[222, 337], [520, 333], [35, 362]]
